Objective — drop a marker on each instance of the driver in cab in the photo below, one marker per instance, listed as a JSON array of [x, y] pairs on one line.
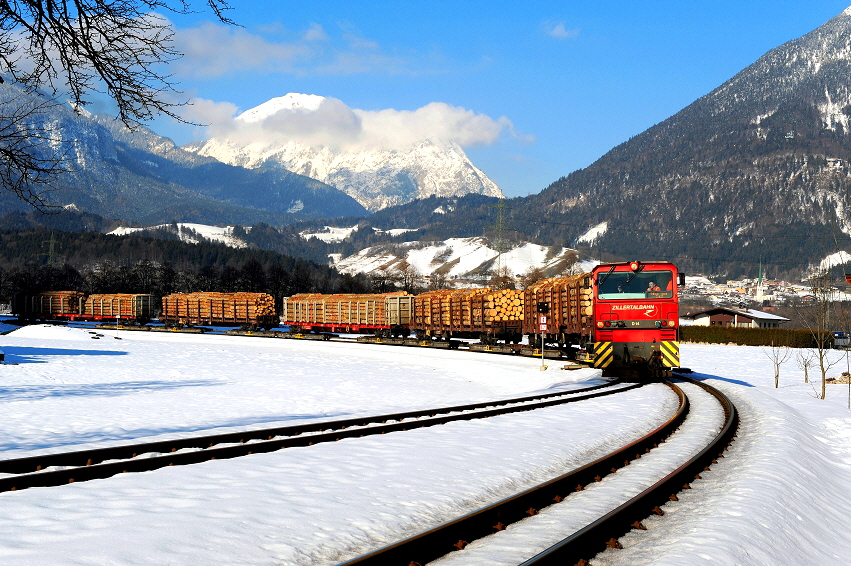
[[652, 287]]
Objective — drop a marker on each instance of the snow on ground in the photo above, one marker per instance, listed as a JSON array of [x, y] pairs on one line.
[[330, 234], [223, 234], [838, 258], [781, 496], [593, 234]]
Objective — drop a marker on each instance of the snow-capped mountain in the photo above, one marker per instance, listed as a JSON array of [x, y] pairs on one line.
[[375, 177]]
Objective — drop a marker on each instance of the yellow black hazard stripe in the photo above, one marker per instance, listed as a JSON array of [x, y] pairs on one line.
[[671, 354], [604, 353]]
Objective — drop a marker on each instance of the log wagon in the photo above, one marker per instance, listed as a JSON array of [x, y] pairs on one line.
[[382, 314], [248, 310]]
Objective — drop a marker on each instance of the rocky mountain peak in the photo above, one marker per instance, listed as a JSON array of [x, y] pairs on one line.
[[375, 177]]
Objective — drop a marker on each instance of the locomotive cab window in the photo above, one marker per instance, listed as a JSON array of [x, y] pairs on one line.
[[632, 285]]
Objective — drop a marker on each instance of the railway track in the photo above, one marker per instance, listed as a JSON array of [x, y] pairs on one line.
[[598, 533], [505, 349], [84, 465]]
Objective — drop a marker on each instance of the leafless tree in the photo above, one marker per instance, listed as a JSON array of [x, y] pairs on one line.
[[439, 280], [804, 359], [531, 276], [501, 278], [818, 318], [79, 47], [408, 278], [778, 355]]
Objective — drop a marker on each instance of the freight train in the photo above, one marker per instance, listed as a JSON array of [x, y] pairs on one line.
[[620, 317]]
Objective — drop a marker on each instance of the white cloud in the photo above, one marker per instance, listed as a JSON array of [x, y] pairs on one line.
[[315, 33], [336, 126], [203, 111], [212, 50], [400, 128], [558, 31]]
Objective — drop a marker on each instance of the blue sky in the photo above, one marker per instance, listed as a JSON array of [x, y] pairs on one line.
[[531, 90]]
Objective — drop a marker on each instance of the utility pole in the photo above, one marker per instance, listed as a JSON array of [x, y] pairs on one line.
[[501, 227], [51, 254]]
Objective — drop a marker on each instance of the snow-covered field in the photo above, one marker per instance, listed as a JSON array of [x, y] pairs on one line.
[[781, 496]]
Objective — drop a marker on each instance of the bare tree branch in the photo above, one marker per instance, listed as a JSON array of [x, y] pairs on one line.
[[75, 48]]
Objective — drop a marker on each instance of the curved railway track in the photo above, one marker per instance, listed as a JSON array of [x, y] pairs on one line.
[[84, 465], [583, 544]]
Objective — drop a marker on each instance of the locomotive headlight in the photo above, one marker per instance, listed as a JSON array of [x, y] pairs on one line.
[[658, 324], [671, 323], [607, 323], [599, 324]]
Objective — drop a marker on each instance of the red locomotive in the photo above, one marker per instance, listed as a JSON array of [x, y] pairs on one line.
[[635, 316]]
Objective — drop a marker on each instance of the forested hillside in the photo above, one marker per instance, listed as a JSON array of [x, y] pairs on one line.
[[41, 260]]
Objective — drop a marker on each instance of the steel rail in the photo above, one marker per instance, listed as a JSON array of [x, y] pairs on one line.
[[586, 543], [88, 469], [97, 455], [456, 534]]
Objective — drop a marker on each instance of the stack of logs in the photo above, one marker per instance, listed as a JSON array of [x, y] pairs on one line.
[[55, 302], [570, 306], [119, 304], [504, 305], [213, 307], [467, 309], [344, 309]]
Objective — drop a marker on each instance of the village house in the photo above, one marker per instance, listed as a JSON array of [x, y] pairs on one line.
[[728, 316]]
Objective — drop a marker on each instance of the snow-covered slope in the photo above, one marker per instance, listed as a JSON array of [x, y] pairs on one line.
[[375, 177], [455, 257], [192, 233]]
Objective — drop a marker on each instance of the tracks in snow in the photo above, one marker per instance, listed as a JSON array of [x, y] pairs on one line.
[[84, 465], [597, 503]]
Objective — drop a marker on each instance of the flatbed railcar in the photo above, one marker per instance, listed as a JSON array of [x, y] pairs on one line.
[[490, 315], [247, 310], [77, 306], [381, 314]]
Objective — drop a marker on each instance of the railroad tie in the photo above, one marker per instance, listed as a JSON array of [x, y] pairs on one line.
[[639, 525], [614, 543]]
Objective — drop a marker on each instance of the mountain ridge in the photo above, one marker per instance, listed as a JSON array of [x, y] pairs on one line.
[[376, 177]]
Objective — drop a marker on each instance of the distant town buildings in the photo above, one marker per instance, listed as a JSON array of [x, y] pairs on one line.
[[749, 294]]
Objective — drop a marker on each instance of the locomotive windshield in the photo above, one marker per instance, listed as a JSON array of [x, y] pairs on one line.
[[635, 285]]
